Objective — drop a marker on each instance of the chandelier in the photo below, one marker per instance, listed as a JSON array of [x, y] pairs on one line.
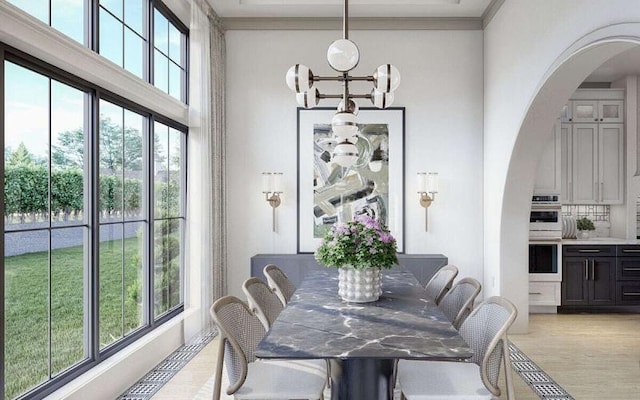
[[343, 56]]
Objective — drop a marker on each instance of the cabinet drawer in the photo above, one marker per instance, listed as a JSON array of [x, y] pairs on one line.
[[629, 250], [628, 293], [589, 250], [544, 293], [628, 268]]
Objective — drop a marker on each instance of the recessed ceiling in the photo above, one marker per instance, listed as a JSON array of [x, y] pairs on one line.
[[357, 8]]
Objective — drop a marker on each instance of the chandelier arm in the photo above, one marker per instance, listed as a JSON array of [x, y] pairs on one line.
[[341, 96], [317, 78]]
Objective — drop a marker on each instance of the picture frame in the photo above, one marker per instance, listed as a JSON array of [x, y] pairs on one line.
[[328, 193]]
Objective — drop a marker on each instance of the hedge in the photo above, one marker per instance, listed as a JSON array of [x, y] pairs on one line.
[[26, 192]]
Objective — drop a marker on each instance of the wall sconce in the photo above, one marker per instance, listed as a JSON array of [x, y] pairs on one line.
[[427, 189], [272, 187]]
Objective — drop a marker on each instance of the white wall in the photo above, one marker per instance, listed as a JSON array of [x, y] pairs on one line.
[[442, 91], [536, 54]]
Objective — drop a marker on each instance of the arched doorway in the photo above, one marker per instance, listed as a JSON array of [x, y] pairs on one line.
[[561, 80]]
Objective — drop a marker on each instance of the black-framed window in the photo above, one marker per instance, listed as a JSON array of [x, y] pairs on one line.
[[94, 223], [142, 36], [69, 17]]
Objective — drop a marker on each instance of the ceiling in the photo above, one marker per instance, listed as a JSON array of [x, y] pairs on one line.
[[627, 63], [357, 8]]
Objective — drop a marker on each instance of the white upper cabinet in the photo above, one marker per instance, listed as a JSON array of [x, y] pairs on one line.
[[597, 111], [548, 175], [592, 148]]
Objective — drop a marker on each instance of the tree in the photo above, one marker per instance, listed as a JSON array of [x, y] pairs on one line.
[[114, 144], [21, 157]]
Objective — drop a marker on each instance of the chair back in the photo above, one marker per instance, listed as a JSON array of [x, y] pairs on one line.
[[441, 282], [279, 283], [263, 302], [240, 332], [457, 303], [485, 330]]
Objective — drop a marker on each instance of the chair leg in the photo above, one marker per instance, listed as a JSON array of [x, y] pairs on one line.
[[217, 386], [508, 373]]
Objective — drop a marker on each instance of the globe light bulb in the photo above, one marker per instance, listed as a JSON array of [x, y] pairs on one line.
[[381, 99], [351, 107], [299, 78], [345, 154], [386, 78], [344, 125], [343, 55], [308, 99]]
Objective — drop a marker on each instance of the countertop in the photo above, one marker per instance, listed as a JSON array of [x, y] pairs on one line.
[[600, 241]]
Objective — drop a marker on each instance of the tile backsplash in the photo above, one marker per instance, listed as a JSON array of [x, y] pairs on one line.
[[593, 212], [599, 214]]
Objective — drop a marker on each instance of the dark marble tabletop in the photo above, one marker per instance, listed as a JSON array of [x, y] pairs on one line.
[[402, 324]]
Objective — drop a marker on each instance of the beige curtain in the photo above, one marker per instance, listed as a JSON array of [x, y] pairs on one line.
[[206, 236]]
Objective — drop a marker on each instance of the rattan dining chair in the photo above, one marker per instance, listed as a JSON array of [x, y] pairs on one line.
[[485, 330], [250, 378], [266, 305], [457, 303], [262, 301], [279, 283], [441, 282]]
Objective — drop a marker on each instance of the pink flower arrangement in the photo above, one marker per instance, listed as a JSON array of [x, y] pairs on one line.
[[361, 243]]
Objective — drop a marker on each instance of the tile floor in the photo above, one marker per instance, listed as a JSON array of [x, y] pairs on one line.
[[592, 356]]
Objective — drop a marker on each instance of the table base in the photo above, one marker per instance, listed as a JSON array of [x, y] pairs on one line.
[[363, 379]]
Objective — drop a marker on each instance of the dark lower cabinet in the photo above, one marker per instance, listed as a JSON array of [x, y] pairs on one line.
[[588, 281]]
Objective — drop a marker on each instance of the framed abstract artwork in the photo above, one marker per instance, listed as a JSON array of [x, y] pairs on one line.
[[374, 185]]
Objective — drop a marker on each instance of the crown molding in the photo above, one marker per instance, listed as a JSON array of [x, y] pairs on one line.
[[387, 24], [491, 11]]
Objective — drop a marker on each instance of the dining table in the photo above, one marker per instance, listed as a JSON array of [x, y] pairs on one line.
[[362, 340]]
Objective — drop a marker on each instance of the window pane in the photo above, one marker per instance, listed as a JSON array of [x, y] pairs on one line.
[[161, 169], [111, 180], [67, 16], [175, 44], [175, 81], [26, 151], [134, 165], [133, 53], [161, 71], [175, 174], [110, 38], [111, 283], [134, 276], [67, 154], [134, 15], [37, 8], [114, 6], [167, 265], [26, 311], [160, 32], [68, 301]]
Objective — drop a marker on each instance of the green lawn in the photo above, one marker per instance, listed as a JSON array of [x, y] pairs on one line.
[[27, 305]]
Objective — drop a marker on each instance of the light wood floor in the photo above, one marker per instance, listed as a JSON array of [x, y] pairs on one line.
[[592, 356]]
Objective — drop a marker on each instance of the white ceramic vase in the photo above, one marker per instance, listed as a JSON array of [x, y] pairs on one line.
[[359, 285]]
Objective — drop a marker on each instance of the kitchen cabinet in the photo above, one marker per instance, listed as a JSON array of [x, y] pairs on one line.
[[589, 276], [544, 293], [592, 147], [628, 275], [597, 111], [548, 178], [592, 163]]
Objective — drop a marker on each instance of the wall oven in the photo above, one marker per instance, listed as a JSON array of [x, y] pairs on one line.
[[545, 239], [545, 220]]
